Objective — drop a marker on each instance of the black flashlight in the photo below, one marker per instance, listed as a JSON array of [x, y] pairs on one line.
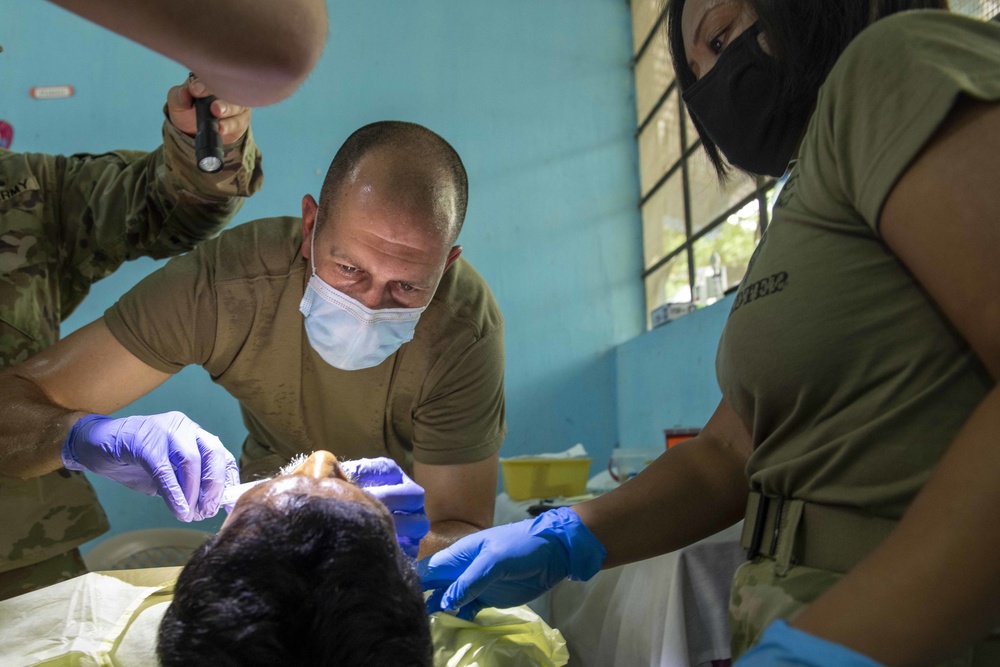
[[207, 143]]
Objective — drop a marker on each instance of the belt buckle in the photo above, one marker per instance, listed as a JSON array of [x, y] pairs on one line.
[[758, 527], [757, 536]]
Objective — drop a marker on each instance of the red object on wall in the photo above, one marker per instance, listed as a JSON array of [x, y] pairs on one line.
[[6, 134], [675, 435]]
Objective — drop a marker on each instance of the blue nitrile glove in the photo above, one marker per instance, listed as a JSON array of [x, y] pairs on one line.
[[782, 645], [166, 455], [510, 565], [383, 478]]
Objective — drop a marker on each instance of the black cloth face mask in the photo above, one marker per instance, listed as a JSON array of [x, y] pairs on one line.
[[737, 105]]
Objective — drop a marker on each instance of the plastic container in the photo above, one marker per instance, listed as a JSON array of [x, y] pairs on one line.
[[527, 478], [627, 462]]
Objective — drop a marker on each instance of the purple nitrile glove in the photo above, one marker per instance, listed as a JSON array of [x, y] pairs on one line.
[[167, 455], [383, 478], [510, 565], [783, 646]]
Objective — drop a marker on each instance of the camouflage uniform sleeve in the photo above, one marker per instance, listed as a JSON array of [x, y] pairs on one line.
[[125, 204]]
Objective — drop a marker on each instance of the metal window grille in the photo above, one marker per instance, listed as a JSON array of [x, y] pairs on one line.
[[683, 235]]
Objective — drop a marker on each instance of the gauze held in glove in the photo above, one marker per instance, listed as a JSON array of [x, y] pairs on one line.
[[510, 565], [384, 479], [166, 454]]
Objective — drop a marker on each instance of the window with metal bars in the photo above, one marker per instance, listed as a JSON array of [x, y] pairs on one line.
[[697, 235], [987, 9]]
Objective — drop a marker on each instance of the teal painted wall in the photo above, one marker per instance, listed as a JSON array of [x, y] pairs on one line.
[[538, 99], [666, 377]]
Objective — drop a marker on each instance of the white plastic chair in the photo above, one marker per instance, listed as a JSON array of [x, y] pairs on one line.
[[154, 547]]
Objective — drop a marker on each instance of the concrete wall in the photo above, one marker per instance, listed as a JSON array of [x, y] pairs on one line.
[[666, 377]]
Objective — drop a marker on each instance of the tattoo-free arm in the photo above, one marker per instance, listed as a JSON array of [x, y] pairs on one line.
[[40, 399], [695, 489], [459, 500], [934, 584], [249, 52]]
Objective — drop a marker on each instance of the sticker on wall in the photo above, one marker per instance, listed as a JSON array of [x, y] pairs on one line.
[[51, 92], [6, 134]]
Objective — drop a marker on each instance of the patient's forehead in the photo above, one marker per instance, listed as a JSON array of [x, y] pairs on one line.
[[304, 478], [348, 517]]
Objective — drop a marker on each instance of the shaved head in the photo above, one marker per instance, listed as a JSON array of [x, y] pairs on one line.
[[402, 161]]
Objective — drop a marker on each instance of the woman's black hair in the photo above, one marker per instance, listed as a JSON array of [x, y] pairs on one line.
[[805, 37]]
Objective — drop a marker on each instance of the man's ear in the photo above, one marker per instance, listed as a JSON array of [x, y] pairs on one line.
[[309, 208], [453, 254]]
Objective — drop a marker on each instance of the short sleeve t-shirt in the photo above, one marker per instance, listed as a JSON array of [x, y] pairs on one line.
[[852, 381], [232, 307]]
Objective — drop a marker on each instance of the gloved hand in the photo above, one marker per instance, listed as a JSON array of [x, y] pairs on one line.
[[782, 645], [384, 479], [166, 455], [509, 565]]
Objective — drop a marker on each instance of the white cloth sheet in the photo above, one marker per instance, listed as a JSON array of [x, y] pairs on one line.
[[668, 611]]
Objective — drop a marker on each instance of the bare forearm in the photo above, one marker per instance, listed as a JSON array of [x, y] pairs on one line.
[[251, 52], [459, 500], [934, 585], [443, 534], [32, 428], [694, 490]]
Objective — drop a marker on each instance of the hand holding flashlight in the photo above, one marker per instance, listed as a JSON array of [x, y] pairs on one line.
[[191, 107]]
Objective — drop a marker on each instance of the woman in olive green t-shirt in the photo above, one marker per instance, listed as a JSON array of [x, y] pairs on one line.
[[859, 362]]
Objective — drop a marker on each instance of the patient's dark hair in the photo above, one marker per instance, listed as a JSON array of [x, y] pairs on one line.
[[805, 37], [318, 582]]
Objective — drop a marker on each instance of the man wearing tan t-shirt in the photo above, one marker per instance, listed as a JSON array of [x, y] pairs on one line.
[[356, 329]]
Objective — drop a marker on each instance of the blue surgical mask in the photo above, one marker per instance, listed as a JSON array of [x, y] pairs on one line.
[[347, 334]]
